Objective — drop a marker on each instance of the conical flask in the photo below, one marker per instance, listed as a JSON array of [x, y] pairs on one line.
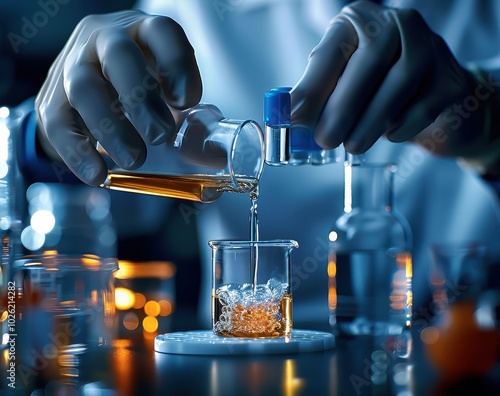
[[370, 263]]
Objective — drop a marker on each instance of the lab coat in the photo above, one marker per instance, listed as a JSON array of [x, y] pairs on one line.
[[247, 47]]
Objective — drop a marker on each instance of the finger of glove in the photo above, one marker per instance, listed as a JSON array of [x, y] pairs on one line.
[[176, 66], [446, 83], [61, 124], [325, 66], [124, 65], [364, 73], [417, 116], [97, 103], [402, 84]]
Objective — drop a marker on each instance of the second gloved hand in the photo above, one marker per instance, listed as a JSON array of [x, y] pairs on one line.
[[381, 71]]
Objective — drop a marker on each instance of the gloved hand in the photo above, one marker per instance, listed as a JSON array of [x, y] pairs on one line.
[[382, 71], [116, 81]]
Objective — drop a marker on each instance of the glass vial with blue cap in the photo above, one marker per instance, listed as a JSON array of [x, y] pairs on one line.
[[282, 144]]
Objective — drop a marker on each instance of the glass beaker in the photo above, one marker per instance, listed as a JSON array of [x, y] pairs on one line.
[[211, 154], [65, 310], [458, 272], [11, 211], [370, 263], [251, 288]]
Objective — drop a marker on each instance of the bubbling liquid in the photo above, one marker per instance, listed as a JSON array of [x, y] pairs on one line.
[[261, 311]]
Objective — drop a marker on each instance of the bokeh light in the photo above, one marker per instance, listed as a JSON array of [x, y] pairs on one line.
[[140, 300], [43, 221], [165, 307], [124, 298], [332, 236], [31, 239], [152, 308], [3, 316], [4, 169], [107, 235], [429, 335], [5, 222], [131, 321], [4, 112], [150, 324]]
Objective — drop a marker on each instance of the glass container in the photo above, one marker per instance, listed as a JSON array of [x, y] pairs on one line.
[[284, 145], [211, 154], [251, 290], [370, 262], [65, 311], [10, 220]]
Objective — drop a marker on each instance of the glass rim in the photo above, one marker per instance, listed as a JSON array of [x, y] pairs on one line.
[[389, 166], [288, 243], [66, 261], [232, 171]]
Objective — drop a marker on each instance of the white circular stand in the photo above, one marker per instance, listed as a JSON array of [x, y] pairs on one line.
[[205, 342]]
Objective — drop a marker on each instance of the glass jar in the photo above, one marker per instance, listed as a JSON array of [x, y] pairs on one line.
[[211, 154], [370, 263], [251, 288], [10, 219], [65, 314]]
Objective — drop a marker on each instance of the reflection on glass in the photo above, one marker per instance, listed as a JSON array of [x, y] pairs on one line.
[[332, 283]]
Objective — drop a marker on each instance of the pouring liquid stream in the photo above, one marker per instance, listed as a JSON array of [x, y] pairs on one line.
[[254, 235]]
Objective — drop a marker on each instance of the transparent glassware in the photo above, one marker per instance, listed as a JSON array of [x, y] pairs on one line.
[[284, 145], [211, 154], [251, 288], [65, 311], [458, 272], [370, 263], [10, 219]]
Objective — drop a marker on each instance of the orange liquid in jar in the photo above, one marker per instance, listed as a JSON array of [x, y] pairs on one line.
[[266, 319]]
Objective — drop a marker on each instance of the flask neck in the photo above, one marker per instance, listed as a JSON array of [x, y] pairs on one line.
[[367, 187]]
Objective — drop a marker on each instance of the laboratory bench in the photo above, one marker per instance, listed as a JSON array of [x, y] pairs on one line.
[[354, 366]]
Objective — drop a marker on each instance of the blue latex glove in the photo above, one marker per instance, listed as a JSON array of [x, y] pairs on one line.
[[381, 71], [115, 82]]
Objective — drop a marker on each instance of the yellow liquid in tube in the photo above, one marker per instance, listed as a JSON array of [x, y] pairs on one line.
[[199, 188]]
